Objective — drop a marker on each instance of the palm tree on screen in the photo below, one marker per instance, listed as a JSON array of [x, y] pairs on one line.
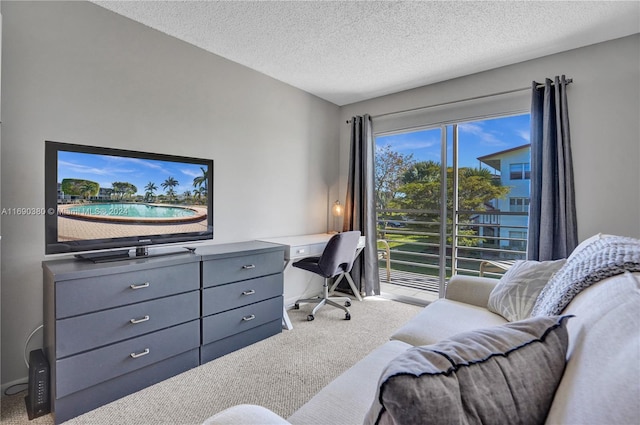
[[168, 186], [201, 180], [150, 188]]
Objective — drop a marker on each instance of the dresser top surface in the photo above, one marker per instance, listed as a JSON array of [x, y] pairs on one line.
[[238, 248], [73, 268]]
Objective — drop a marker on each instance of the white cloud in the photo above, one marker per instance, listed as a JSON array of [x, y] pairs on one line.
[[138, 162], [525, 134], [83, 169], [191, 172], [489, 138], [416, 144]]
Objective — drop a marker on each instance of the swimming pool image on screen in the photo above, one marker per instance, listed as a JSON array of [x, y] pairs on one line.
[[103, 196]]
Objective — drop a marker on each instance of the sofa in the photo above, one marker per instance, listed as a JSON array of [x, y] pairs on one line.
[[597, 342]]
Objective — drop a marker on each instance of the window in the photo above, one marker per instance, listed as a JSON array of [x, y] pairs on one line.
[[518, 244], [520, 171], [518, 204], [445, 198]]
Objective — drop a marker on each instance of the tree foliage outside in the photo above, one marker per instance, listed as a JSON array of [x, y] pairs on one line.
[[421, 190], [390, 168], [416, 192]]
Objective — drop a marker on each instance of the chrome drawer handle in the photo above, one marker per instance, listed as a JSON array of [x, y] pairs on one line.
[[139, 286], [247, 318], [143, 353], [249, 292], [249, 266], [140, 320]]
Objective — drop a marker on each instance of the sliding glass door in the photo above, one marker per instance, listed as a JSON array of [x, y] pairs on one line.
[[410, 184], [451, 199]]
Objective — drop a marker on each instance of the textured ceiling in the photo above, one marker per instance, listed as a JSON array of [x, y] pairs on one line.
[[348, 51]]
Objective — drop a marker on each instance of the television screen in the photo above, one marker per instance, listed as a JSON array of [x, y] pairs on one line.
[[101, 198]]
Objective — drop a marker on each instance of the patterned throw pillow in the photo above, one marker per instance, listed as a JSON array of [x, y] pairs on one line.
[[505, 374], [515, 295]]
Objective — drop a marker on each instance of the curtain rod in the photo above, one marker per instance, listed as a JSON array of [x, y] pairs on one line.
[[568, 80]]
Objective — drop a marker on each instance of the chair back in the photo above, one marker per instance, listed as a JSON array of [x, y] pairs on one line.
[[339, 254]]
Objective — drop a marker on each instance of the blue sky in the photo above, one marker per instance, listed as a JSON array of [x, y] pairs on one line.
[[476, 139], [105, 170]]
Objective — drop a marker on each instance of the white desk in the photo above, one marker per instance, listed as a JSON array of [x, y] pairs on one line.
[[298, 283]]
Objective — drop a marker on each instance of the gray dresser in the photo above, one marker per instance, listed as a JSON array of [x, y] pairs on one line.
[[117, 327], [242, 301]]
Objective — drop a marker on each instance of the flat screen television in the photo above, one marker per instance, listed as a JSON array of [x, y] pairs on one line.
[[99, 199]]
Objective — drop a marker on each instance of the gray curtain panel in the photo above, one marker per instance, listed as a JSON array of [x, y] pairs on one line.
[[553, 229], [360, 206]]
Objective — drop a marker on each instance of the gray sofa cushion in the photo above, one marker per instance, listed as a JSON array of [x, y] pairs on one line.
[[243, 414], [601, 382], [444, 318], [347, 398], [500, 375]]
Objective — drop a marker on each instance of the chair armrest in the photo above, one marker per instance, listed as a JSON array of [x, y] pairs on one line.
[[470, 289], [243, 414], [385, 254]]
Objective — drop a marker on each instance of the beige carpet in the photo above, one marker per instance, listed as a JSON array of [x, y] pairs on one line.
[[281, 373]]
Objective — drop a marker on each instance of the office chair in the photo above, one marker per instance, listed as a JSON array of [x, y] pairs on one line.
[[337, 258]]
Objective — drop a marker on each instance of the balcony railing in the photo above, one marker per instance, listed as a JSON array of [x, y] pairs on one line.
[[476, 243]]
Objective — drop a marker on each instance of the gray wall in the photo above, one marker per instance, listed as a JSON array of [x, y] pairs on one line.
[[74, 72], [604, 102]]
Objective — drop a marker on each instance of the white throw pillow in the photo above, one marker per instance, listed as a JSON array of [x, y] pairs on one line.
[[515, 295]]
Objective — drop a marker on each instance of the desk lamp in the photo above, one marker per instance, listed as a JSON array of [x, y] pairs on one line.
[[336, 211]]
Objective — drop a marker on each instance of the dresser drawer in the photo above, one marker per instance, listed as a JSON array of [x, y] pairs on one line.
[[226, 297], [242, 267], [235, 342], [231, 322], [85, 370], [82, 333], [90, 398], [79, 296]]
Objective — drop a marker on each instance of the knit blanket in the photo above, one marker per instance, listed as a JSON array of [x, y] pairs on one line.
[[602, 258]]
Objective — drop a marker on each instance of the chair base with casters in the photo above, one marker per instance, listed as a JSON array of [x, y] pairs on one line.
[[336, 261], [324, 299], [352, 285]]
